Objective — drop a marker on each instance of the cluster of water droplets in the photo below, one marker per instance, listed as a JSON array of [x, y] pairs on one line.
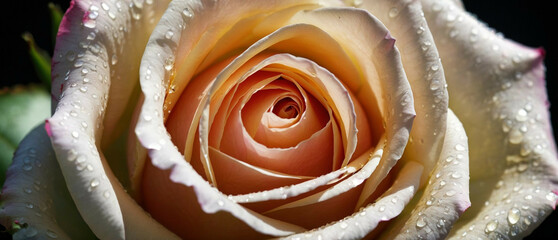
[[514, 116], [37, 195]]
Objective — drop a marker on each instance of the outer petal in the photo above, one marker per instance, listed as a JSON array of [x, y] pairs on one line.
[[421, 61], [445, 197], [497, 91], [34, 195], [95, 69]]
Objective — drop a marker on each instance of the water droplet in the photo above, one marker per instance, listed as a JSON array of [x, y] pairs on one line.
[[114, 59], [435, 67], [27, 167], [491, 226], [459, 147], [453, 33], [521, 115], [426, 45], [513, 216], [187, 12], [456, 175], [382, 208], [420, 30], [93, 15], [430, 202], [105, 6], [29, 205], [343, 225], [75, 134], [94, 183], [106, 194], [71, 56], [421, 222], [51, 234], [27, 190], [434, 85], [83, 89], [78, 63], [551, 197], [169, 63], [450, 193], [169, 34], [393, 12], [89, 23]]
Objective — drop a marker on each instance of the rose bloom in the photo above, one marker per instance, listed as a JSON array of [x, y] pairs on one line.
[[225, 119]]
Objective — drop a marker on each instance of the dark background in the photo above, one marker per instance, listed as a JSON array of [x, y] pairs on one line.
[[526, 21]]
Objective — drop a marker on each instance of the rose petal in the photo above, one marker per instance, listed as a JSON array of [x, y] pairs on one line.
[[31, 195], [445, 197], [236, 176], [152, 133], [423, 69], [320, 83], [496, 89], [398, 109], [388, 206], [88, 52], [340, 199]]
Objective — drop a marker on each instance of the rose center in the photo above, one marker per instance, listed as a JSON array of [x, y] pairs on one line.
[[286, 108]]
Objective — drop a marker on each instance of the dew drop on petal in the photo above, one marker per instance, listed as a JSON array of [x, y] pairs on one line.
[[169, 34], [187, 12], [51, 234], [393, 12], [421, 222], [521, 115], [513, 216], [551, 197], [491, 226], [114, 59], [94, 183]]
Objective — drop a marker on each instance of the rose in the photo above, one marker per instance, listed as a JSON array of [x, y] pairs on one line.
[[513, 167]]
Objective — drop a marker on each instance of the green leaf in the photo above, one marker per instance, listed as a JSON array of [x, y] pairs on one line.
[[39, 58], [21, 109], [55, 19]]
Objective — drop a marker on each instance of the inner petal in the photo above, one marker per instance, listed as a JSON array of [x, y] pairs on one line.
[[286, 108], [260, 114]]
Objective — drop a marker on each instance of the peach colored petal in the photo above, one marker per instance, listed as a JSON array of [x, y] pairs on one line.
[[238, 177], [388, 206]]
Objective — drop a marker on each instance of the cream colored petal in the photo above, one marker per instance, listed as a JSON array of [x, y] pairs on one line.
[[497, 90], [405, 20], [445, 197], [94, 73], [387, 207], [35, 195]]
